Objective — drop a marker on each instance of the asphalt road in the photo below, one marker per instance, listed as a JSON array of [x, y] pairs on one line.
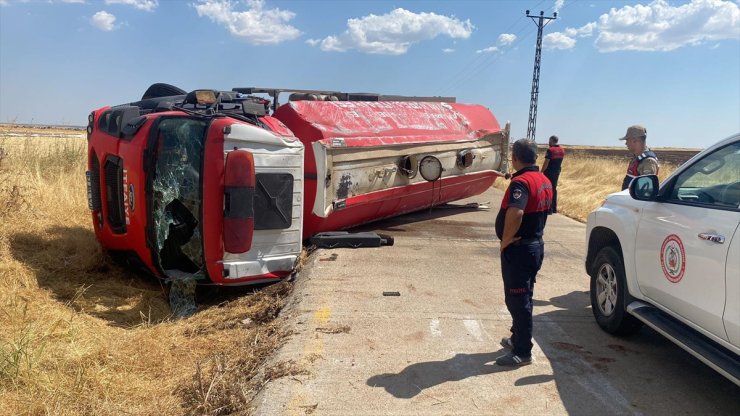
[[431, 349]]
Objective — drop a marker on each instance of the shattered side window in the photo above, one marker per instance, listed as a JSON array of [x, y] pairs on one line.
[[176, 196]]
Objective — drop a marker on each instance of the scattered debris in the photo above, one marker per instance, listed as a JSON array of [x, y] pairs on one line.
[[391, 293], [343, 239], [430, 396], [313, 357], [333, 257], [310, 408], [284, 369], [337, 329]]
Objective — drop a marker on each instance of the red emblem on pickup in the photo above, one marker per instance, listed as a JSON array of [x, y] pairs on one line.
[[673, 258]]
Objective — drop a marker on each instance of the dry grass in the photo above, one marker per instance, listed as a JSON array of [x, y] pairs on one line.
[[585, 182], [81, 336]]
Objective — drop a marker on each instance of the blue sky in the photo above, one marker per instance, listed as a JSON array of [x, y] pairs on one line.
[[673, 66]]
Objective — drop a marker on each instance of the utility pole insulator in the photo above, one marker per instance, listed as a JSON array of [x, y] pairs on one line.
[[541, 21]]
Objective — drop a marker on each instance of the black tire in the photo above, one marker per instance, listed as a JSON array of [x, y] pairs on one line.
[[609, 294]]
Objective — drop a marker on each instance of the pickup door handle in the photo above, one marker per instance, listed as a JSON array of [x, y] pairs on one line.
[[715, 238]]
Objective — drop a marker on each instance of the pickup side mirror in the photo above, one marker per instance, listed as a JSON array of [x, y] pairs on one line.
[[239, 182], [644, 188]]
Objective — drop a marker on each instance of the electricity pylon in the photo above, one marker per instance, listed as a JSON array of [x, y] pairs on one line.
[[541, 22]]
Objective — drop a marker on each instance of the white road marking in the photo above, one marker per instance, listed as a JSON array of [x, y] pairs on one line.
[[473, 328], [434, 327]]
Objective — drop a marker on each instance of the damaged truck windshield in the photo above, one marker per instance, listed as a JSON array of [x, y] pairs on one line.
[[177, 155]]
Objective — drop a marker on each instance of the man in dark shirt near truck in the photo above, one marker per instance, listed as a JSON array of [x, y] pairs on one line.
[[551, 168], [520, 224]]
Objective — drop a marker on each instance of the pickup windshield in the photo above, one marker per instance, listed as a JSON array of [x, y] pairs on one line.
[[176, 194]]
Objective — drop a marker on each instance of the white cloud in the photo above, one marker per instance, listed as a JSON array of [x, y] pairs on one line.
[[146, 5], [104, 21], [6, 2], [581, 32], [448, 50], [256, 25], [566, 39], [506, 39], [662, 27], [394, 33], [657, 26], [3, 2], [558, 5], [331, 44], [489, 49], [557, 40], [313, 42]]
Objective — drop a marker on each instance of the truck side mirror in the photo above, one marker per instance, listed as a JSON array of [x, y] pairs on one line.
[[239, 182], [644, 188]]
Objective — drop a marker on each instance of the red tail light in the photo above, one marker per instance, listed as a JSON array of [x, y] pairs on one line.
[[239, 181]]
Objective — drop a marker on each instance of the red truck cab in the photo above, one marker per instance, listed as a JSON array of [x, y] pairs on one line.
[[179, 193]]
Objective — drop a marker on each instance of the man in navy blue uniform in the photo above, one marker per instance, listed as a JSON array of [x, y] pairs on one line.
[[551, 168], [520, 224]]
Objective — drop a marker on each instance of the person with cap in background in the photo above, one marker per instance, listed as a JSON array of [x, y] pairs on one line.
[[645, 161], [551, 168], [520, 224]]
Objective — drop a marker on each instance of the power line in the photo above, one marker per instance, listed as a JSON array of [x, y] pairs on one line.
[[486, 61], [481, 59], [491, 59]]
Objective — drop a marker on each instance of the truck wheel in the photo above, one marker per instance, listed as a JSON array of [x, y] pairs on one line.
[[608, 293]]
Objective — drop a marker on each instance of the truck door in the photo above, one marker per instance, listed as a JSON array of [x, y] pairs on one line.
[[683, 239], [732, 308]]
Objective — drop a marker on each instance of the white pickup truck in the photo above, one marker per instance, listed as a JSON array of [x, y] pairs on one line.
[[668, 256]]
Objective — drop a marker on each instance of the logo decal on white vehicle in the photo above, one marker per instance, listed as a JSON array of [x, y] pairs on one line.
[[673, 258]]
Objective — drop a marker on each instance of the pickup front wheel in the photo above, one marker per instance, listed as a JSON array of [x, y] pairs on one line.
[[608, 294]]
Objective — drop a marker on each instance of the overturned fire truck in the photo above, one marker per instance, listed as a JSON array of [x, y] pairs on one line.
[[224, 186]]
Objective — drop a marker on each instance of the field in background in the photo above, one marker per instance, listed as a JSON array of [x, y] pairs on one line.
[[670, 156], [80, 335]]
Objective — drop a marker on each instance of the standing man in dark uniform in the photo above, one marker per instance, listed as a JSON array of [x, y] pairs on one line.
[[645, 161], [551, 168], [520, 224]]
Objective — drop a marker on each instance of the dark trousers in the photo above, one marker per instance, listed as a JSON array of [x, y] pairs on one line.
[[553, 177], [519, 267]]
